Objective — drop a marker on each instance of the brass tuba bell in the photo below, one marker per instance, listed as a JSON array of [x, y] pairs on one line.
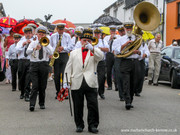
[[44, 41], [95, 41], [147, 17]]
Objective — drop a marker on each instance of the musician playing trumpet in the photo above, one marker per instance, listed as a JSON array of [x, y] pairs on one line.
[[39, 66], [62, 44]]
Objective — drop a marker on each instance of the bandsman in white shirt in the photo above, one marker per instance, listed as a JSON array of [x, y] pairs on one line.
[[141, 69], [65, 46], [110, 56], [155, 46], [76, 38], [39, 66], [24, 62], [104, 47], [117, 62], [128, 65], [13, 60]]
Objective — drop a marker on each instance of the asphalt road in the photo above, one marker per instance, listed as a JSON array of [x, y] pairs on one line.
[[156, 112]]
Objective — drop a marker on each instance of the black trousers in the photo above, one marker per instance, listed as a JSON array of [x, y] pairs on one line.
[[24, 76], [110, 64], [39, 75], [101, 76], [118, 76], [59, 67], [92, 105], [141, 75], [14, 71], [128, 69]]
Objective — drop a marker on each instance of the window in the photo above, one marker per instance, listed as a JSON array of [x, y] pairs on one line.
[[167, 52], [115, 12], [177, 53], [178, 14]]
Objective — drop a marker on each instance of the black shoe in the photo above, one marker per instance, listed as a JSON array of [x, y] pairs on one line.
[[102, 96], [42, 107], [128, 106], [109, 88], [13, 89], [132, 106], [27, 99], [93, 130], [31, 108], [137, 94], [121, 99], [79, 129], [150, 82], [67, 97], [155, 84], [56, 97], [116, 89], [21, 96]]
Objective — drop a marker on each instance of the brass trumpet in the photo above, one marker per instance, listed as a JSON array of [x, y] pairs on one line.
[[44, 41], [95, 41]]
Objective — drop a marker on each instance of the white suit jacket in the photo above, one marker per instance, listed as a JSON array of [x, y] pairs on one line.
[[76, 70]]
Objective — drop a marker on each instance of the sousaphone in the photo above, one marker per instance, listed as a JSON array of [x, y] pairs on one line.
[[146, 17]]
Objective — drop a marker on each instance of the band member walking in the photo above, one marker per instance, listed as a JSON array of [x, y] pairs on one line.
[[81, 70], [128, 65], [61, 43], [117, 62], [13, 60], [104, 47], [24, 63], [110, 57], [39, 52]]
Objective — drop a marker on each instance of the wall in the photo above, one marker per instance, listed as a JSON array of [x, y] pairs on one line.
[[172, 31]]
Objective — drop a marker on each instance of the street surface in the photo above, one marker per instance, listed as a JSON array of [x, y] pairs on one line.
[[156, 112]]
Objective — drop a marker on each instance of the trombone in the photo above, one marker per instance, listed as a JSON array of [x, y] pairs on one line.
[[95, 41]]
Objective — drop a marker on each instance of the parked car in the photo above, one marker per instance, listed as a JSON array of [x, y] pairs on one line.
[[170, 66]]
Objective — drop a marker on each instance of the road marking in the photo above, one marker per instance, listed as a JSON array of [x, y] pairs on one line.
[[179, 94]]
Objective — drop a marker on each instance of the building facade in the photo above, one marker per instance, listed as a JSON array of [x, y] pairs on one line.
[[124, 9], [173, 21]]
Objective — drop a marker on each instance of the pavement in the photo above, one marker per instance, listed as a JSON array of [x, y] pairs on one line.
[[156, 112]]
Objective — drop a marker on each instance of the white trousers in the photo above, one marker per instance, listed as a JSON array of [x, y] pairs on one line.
[[154, 67]]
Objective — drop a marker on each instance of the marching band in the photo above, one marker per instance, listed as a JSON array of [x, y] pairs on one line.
[[82, 62]]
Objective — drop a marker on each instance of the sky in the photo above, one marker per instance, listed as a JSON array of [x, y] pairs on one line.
[[76, 11]]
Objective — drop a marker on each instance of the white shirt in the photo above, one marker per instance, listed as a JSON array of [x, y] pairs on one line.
[[78, 45], [20, 49], [12, 52], [107, 39], [65, 42], [119, 42], [155, 47], [102, 44], [47, 51], [145, 51]]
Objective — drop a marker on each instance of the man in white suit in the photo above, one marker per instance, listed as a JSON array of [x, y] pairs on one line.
[[81, 71]]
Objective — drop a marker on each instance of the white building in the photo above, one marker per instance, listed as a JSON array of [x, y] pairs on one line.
[[123, 10]]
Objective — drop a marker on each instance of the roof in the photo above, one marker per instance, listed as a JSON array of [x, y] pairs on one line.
[[131, 3], [113, 5], [168, 1]]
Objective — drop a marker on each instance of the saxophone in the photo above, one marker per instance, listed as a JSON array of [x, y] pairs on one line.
[[56, 53]]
